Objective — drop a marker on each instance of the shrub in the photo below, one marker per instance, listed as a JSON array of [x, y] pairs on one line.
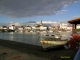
[[74, 42]]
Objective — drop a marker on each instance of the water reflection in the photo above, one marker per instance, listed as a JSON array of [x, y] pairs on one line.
[[11, 36]]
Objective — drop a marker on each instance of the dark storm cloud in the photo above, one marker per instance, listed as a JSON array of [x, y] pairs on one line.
[[28, 8]]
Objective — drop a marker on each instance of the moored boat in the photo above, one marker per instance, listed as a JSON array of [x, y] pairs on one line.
[[52, 41]]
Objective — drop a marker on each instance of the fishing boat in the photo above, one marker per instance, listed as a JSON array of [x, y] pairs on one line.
[[52, 41]]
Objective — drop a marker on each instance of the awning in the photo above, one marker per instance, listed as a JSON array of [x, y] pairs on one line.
[[74, 21]]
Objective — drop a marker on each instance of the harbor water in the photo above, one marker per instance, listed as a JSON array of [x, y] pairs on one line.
[[28, 38]]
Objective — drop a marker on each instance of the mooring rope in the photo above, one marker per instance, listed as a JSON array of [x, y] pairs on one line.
[[38, 39]]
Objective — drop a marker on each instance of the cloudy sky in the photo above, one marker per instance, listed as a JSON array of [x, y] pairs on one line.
[[37, 10]]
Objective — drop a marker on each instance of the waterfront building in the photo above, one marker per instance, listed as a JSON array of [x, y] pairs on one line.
[[69, 28], [40, 27], [78, 26], [1, 27], [28, 27], [4, 28], [10, 28], [43, 28], [19, 29], [52, 27], [63, 26], [34, 28]]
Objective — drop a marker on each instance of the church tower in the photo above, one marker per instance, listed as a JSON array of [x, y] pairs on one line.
[[41, 24]]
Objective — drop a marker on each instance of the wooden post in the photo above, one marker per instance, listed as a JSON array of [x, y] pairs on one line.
[[75, 26], [73, 29]]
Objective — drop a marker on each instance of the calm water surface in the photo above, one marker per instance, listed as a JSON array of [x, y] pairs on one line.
[[28, 38]]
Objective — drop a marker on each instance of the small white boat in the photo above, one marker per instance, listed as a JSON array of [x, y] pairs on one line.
[[52, 41]]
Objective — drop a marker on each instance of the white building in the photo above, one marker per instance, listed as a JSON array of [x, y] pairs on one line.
[[40, 26], [78, 26], [69, 28], [1, 27], [20, 28], [43, 28], [4, 27], [10, 28], [33, 27], [63, 26], [27, 27]]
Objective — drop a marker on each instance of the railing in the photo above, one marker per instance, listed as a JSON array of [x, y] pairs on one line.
[[77, 56]]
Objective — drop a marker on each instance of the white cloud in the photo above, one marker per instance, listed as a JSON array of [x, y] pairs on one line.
[[13, 23], [63, 11], [46, 22], [75, 1], [28, 8]]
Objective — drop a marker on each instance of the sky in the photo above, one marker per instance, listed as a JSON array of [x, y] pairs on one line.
[[36, 10]]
